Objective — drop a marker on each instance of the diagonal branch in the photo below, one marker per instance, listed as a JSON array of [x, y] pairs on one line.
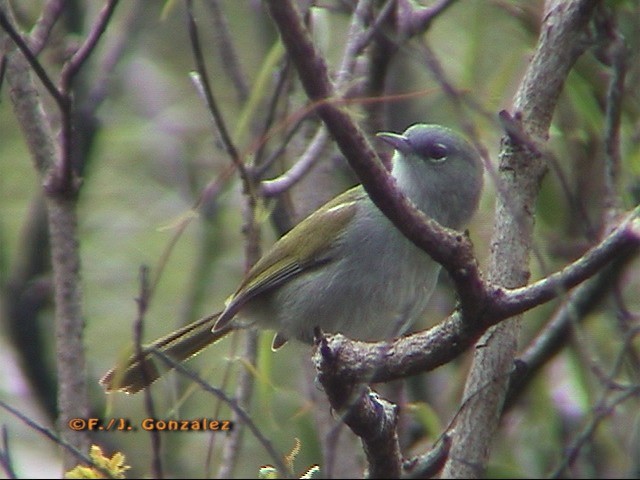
[[563, 38], [77, 60], [583, 300], [452, 250], [518, 300], [30, 57], [52, 159], [482, 304], [425, 351]]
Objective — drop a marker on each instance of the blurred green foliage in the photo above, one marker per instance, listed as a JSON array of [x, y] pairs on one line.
[[156, 151]]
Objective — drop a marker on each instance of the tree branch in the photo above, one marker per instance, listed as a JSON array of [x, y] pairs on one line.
[[584, 299], [53, 163], [447, 247], [425, 351], [563, 38], [482, 305], [518, 300], [372, 418]]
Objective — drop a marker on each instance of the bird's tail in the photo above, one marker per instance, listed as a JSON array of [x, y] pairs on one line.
[[140, 371]]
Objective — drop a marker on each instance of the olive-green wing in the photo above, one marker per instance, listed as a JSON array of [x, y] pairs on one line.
[[300, 250]]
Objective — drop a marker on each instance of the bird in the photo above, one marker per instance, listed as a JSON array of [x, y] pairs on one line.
[[345, 268]]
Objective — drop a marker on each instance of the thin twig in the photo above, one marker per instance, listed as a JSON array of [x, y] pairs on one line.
[[231, 453], [358, 38], [279, 185], [5, 455], [416, 20], [617, 50], [602, 409], [245, 385], [79, 455], [259, 164], [430, 463], [33, 61], [227, 50], [40, 32], [62, 180], [554, 335], [376, 26], [276, 457], [75, 63], [3, 71], [203, 78], [626, 322], [138, 329], [518, 300], [115, 44]]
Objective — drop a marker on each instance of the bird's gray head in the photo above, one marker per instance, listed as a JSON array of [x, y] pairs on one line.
[[439, 170]]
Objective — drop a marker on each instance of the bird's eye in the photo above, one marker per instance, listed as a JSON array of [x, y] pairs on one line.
[[438, 152]]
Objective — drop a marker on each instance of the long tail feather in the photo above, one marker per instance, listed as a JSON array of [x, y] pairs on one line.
[[138, 372]]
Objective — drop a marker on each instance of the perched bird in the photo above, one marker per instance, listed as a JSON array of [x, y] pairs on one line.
[[345, 268]]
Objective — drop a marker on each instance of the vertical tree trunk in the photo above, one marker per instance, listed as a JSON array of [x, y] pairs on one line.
[[562, 40]]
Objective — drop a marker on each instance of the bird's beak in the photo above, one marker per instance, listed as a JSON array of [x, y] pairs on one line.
[[397, 141]]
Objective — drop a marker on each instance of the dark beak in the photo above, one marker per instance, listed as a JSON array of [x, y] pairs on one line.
[[397, 141]]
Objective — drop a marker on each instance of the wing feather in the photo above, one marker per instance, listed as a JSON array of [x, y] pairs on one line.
[[279, 265]]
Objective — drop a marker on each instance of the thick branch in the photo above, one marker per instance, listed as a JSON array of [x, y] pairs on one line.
[[518, 300], [53, 163], [425, 351], [447, 247], [583, 300], [372, 418], [72, 395], [562, 40]]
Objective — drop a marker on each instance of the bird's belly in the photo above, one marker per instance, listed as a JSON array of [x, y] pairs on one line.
[[372, 300]]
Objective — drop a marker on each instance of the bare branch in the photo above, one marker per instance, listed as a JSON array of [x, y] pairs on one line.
[[276, 186], [445, 246], [31, 59], [53, 163], [358, 38], [415, 20], [564, 37], [227, 50], [75, 63], [203, 79], [246, 419], [62, 180], [429, 464], [6, 461], [585, 298], [372, 418], [425, 351], [514, 301], [43, 26], [604, 407], [138, 329], [614, 54], [76, 453]]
